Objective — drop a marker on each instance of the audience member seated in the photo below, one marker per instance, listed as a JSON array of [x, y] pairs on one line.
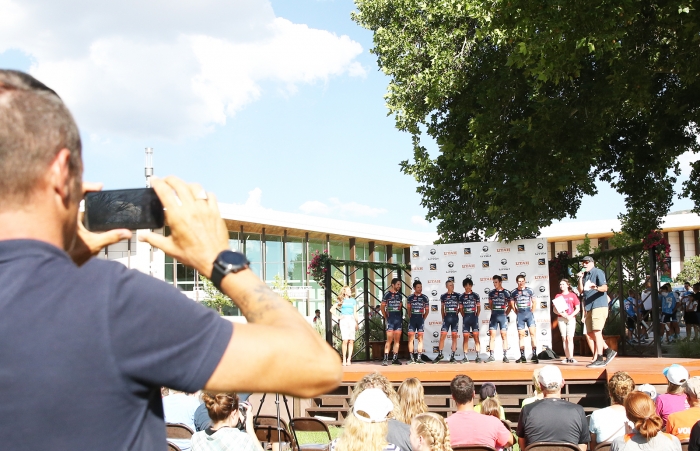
[[538, 392], [491, 407], [552, 419], [609, 423], [201, 415], [398, 432], [429, 432], [366, 428], [411, 400], [645, 431], [680, 423], [179, 407], [694, 441], [674, 400], [488, 390], [468, 427], [223, 434]]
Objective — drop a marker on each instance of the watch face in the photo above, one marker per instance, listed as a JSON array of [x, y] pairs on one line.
[[232, 258]]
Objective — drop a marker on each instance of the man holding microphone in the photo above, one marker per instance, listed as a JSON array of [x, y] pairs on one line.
[[592, 283]]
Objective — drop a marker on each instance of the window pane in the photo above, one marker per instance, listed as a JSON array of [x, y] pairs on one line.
[[316, 245], [361, 251], [272, 270], [338, 250], [253, 249], [256, 267], [273, 249], [398, 255], [380, 253], [233, 241], [296, 264], [169, 273]]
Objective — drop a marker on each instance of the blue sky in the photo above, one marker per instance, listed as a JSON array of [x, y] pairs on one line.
[[278, 103]]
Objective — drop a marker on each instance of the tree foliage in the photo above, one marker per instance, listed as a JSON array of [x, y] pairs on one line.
[[531, 102], [215, 299], [690, 272]]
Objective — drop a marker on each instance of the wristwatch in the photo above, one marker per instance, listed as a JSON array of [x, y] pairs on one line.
[[227, 262]]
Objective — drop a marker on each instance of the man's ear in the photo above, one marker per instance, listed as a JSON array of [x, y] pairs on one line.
[[59, 175]]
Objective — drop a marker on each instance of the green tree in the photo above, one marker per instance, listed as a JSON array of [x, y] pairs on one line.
[[213, 298], [690, 272], [281, 287], [531, 102]]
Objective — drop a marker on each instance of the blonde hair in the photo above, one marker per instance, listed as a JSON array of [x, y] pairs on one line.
[[433, 428], [490, 406], [411, 400], [619, 386], [341, 295], [358, 435], [376, 380], [536, 381], [641, 411]]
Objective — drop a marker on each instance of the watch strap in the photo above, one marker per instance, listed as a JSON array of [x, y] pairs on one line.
[[221, 269]]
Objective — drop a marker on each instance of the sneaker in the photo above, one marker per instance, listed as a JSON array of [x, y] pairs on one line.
[[385, 362], [609, 355], [465, 359], [419, 360], [505, 359], [573, 361], [597, 363], [565, 360], [478, 360], [438, 358], [490, 359], [411, 360], [396, 362], [522, 359], [534, 359], [452, 359]]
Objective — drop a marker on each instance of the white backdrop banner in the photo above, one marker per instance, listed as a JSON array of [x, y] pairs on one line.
[[434, 264]]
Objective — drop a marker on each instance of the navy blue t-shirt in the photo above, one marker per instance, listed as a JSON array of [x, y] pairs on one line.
[[450, 301], [418, 303], [85, 351]]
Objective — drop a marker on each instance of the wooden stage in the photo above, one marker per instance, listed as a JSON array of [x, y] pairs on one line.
[[584, 386], [644, 370]]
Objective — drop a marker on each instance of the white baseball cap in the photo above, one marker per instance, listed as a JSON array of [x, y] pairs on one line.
[[692, 387], [372, 406], [648, 389], [676, 374], [550, 377]]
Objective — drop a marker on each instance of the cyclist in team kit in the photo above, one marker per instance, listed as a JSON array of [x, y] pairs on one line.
[[418, 305], [522, 299], [499, 302], [450, 320], [470, 307], [392, 306]]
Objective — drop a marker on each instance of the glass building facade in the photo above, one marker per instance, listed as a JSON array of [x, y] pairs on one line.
[[285, 259]]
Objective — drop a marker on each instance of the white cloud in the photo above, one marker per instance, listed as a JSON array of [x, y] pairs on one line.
[[168, 69], [254, 198], [337, 208], [421, 221]]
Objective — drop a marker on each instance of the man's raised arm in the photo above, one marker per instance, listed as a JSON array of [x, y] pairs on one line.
[[277, 351]]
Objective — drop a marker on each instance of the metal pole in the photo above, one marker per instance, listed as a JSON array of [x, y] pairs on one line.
[[621, 297], [655, 302], [365, 275], [328, 303]]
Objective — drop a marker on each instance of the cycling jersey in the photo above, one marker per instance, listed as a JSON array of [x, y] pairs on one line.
[[500, 299], [469, 303], [393, 301], [450, 302], [419, 303]]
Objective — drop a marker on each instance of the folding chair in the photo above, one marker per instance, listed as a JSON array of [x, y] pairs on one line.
[[178, 431], [309, 424], [272, 434], [473, 448], [269, 420], [605, 446], [173, 447]]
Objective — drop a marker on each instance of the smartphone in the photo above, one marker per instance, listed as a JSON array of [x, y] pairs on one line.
[[130, 209]]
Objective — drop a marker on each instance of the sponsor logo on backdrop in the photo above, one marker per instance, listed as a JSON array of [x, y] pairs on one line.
[[541, 277], [435, 300], [485, 249], [484, 321], [438, 281], [467, 251], [523, 273], [432, 251], [542, 296], [487, 306], [503, 249], [415, 254], [434, 323], [542, 261], [416, 279], [540, 253], [436, 349], [436, 334], [450, 264], [540, 245], [544, 332], [542, 289], [469, 276], [505, 277], [433, 266], [521, 248], [417, 268], [433, 308], [485, 264], [485, 279], [451, 278], [469, 266], [543, 304], [446, 253], [522, 263], [504, 261], [433, 341], [434, 292]]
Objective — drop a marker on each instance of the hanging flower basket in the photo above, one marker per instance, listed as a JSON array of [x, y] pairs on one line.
[[317, 267], [657, 242]]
